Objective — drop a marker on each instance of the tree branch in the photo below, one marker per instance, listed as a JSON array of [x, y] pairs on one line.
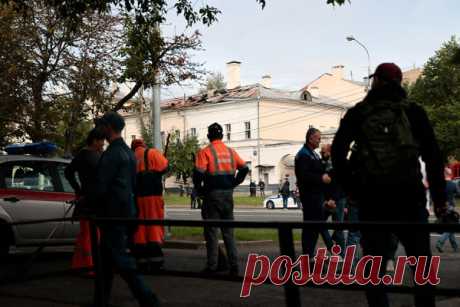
[[128, 96]]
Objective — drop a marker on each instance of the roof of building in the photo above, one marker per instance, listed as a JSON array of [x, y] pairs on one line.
[[247, 92], [359, 83], [411, 75]]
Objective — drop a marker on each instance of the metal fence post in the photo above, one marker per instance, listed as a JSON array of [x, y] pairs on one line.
[[291, 291], [99, 295]]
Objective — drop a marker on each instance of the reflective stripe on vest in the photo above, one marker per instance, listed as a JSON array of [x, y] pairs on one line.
[[217, 162]]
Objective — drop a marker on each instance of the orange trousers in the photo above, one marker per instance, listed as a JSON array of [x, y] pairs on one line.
[[82, 256], [150, 207]]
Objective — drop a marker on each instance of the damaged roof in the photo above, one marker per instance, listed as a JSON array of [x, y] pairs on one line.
[[247, 92]]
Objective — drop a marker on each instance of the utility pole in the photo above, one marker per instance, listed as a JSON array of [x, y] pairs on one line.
[[155, 106], [155, 114], [258, 136], [351, 38]]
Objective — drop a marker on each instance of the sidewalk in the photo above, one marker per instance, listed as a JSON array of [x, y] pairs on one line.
[[72, 290]]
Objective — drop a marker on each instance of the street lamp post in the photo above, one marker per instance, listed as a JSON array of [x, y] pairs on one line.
[[352, 38]]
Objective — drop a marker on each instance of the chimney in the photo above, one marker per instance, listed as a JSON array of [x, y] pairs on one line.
[[233, 74], [266, 81], [337, 71], [314, 91]]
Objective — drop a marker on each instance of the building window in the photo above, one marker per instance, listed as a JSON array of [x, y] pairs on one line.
[[163, 138], [306, 96], [133, 137], [247, 129], [228, 131], [193, 131]]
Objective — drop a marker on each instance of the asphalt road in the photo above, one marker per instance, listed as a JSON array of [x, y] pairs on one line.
[[291, 215]]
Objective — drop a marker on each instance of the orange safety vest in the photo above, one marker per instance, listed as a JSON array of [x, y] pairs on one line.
[[219, 163]]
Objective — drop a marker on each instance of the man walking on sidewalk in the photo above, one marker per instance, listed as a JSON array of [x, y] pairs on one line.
[[113, 195], [214, 178]]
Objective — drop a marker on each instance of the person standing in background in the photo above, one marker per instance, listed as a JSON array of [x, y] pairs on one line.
[[312, 180], [84, 166], [218, 170], [148, 239]]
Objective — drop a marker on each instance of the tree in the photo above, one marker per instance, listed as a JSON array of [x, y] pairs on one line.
[[181, 153], [14, 68], [54, 69], [145, 47], [438, 90], [149, 56], [215, 81]]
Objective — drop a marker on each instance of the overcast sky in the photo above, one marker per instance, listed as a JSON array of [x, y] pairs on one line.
[[295, 41]]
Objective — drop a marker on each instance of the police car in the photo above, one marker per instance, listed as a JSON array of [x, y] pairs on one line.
[[276, 202], [33, 186]]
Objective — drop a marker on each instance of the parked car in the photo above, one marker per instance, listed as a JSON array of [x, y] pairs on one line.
[[34, 187], [276, 202]]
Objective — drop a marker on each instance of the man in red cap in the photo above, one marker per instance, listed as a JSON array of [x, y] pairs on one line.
[[382, 176], [150, 167]]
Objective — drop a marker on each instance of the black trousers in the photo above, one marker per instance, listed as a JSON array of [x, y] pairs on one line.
[[218, 204], [115, 256], [313, 210], [396, 207]]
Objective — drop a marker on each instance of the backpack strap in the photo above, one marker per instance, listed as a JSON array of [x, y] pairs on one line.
[[232, 159], [146, 160]]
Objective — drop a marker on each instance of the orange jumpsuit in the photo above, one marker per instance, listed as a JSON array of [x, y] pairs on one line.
[[82, 257], [152, 206]]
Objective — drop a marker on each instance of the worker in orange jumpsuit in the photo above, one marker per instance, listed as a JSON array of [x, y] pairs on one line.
[[84, 165], [149, 195], [218, 170]]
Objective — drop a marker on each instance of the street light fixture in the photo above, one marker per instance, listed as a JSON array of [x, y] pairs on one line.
[[352, 38]]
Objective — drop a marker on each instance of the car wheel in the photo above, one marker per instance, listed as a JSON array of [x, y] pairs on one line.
[[270, 205], [5, 239]]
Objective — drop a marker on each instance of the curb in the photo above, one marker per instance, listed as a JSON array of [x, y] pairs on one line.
[[455, 302], [189, 244], [235, 207]]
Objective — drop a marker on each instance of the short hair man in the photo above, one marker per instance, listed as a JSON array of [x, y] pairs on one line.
[[113, 193], [383, 174], [312, 180], [214, 178]]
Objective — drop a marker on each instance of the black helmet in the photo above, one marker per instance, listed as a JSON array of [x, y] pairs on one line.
[[215, 131]]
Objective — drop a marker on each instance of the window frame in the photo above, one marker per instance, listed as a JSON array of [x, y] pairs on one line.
[[247, 130], [33, 164], [228, 132]]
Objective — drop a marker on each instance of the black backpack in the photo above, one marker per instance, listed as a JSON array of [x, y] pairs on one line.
[[386, 151]]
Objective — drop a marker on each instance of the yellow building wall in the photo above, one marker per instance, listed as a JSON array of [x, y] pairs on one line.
[[290, 120]]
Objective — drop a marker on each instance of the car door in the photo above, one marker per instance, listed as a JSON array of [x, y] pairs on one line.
[[29, 192], [71, 229]]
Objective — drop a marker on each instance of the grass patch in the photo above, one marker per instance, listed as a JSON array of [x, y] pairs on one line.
[[196, 234], [175, 199]]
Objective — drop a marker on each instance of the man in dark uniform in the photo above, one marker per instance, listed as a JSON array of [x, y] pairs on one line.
[[383, 174], [214, 178], [113, 194], [312, 180]]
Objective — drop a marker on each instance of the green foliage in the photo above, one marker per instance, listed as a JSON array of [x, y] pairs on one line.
[[51, 70], [181, 153], [438, 90], [215, 81]]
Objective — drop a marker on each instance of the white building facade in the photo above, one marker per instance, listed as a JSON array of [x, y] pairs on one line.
[[265, 126]]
